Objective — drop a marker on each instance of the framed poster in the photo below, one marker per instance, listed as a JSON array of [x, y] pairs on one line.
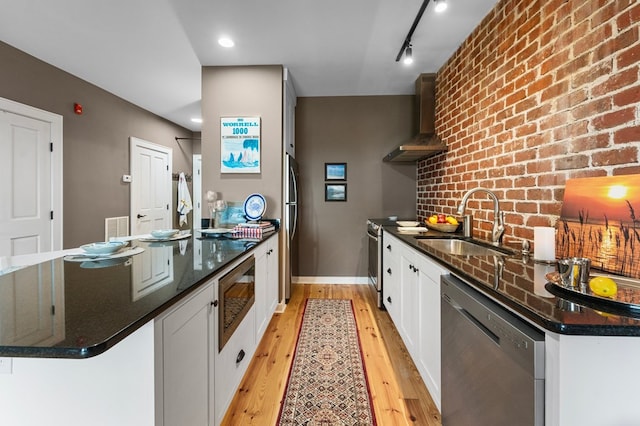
[[335, 192], [240, 145], [335, 171]]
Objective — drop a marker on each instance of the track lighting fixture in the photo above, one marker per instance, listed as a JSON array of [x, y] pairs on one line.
[[408, 55], [406, 44], [441, 5]]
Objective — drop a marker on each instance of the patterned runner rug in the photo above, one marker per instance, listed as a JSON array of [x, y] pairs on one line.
[[327, 383]]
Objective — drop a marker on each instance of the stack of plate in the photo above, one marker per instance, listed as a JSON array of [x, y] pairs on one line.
[[410, 226]]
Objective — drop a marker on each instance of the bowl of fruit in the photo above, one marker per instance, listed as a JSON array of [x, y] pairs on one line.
[[442, 223]]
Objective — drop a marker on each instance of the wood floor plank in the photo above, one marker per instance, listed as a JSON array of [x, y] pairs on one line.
[[399, 396]]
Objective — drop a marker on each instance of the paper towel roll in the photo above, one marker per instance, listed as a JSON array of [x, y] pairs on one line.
[[544, 243]]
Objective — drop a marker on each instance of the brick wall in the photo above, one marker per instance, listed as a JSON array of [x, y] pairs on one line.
[[540, 92]]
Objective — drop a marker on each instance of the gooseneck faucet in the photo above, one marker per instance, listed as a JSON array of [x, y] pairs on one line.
[[498, 216]]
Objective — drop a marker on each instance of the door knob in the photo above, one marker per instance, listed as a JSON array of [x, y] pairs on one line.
[[140, 216]]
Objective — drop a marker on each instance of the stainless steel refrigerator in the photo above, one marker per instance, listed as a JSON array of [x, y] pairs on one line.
[[291, 224]]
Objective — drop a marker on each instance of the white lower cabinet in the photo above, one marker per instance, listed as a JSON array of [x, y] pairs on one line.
[[195, 381], [410, 304], [428, 354], [267, 281], [391, 275], [414, 288], [184, 361], [232, 362]]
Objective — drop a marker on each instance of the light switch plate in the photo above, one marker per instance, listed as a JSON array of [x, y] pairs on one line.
[[126, 178]]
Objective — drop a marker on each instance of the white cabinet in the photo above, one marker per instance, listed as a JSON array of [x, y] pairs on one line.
[[190, 369], [266, 283], [232, 362], [412, 286], [391, 275], [185, 360], [409, 302], [428, 352], [289, 125]]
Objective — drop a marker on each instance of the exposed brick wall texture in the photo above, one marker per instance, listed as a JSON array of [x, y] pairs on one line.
[[540, 92]]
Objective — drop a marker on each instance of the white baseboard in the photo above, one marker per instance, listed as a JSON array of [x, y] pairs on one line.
[[330, 280]]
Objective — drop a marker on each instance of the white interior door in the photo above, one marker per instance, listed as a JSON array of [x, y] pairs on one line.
[[30, 180], [197, 191], [150, 186]]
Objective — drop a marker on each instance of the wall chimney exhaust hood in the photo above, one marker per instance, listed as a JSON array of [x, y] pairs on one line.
[[426, 143]]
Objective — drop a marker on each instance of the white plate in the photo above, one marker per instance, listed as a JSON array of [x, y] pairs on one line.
[[164, 233], [174, 238], [254, 206], [103, 247], [407, 223], [412, 229], [216, 231]]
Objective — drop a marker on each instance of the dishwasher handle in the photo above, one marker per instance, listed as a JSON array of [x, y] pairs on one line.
[[479, 325]]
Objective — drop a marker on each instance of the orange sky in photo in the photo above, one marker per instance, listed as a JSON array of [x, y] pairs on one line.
[[602, 195]]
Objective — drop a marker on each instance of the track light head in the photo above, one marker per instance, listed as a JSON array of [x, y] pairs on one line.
[[408, 55], [441, 5]]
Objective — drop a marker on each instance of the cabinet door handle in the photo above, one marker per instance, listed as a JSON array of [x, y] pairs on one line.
[[389, 299], [140, 216], [240, 356], [389, 271], [389, 247], [214, 303]]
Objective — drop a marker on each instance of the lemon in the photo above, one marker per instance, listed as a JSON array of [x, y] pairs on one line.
[[603, 286]]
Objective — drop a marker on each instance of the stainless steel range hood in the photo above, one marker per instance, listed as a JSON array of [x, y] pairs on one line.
[[426, 143]]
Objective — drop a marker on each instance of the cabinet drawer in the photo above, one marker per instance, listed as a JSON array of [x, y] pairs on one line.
[[232, 362]]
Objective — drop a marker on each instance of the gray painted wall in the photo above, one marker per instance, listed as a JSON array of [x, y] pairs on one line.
[[96, 144], [358, 131], [236, 92]]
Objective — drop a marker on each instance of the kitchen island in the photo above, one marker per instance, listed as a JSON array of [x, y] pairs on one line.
[[589, 351], [85, 330]]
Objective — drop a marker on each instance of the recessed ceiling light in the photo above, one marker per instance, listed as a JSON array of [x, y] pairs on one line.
[[225, 42], [196, 120]]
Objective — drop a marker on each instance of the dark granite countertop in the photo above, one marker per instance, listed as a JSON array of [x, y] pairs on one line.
[[519, 284], [64, 309]]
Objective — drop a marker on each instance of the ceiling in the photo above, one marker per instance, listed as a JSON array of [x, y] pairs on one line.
[[150, 52]]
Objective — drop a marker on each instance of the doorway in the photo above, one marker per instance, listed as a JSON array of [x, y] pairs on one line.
[[30, 179], [151, 167]]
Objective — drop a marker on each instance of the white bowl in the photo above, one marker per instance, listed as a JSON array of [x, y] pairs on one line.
[[103, 248], [407, 223], [164, 233]]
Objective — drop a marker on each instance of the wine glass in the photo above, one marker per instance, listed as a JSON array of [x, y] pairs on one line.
[[211, 199]]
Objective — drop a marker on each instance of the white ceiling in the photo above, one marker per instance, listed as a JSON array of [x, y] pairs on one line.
[[149, 52]]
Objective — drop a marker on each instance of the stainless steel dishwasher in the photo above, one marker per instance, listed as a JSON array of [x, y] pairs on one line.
[[492, 362]]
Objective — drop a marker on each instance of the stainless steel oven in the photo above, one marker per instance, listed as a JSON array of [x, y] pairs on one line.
[[236, 293], [374, 235]]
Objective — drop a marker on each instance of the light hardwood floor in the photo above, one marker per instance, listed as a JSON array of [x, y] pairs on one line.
[[398, 393]]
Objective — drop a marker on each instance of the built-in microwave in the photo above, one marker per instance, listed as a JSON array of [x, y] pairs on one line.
[[236, 293]]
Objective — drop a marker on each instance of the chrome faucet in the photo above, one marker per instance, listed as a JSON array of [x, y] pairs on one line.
[[498, 216]]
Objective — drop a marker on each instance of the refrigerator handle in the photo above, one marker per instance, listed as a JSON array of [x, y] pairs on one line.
[[294, 219], [294, 180]]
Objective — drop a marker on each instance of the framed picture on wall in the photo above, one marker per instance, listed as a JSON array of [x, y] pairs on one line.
[[335, 171], [240, 145], [335, 192]]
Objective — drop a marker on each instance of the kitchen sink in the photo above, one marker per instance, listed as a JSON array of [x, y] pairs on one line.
[[463, 247]]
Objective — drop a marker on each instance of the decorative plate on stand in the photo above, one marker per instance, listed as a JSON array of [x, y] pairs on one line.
[[254, 207]]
